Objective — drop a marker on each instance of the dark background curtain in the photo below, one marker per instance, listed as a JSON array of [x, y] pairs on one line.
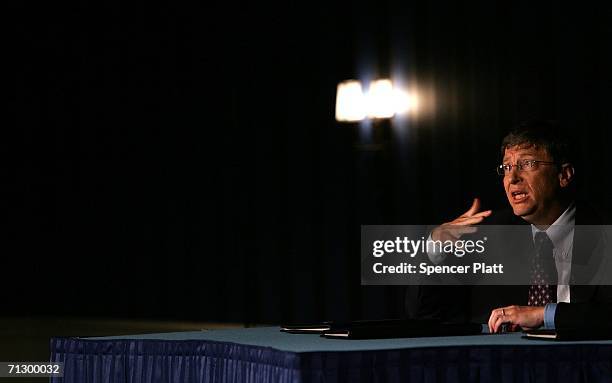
[[173, 161]]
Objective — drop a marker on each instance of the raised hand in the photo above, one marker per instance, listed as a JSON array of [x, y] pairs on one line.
[[453, 230]]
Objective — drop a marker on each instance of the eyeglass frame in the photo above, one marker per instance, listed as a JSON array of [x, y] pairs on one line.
[[520, 167]]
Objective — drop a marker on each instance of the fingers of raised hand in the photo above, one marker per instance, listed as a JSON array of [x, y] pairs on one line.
[[484, 213], [469, 220], [473, 209], [453, 231], [458, 231]]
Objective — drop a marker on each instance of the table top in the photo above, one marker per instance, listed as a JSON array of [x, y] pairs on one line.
[[299, 343]]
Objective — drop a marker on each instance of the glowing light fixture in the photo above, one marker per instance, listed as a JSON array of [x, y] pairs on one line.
[[382, 100], [350, 101], [379, 100]]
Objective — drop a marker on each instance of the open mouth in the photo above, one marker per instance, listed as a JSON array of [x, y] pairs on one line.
[[518, 196]]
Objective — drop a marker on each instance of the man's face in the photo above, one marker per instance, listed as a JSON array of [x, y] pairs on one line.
[[533, 194]]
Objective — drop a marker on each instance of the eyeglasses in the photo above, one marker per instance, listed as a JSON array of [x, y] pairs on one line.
[[522, 165]]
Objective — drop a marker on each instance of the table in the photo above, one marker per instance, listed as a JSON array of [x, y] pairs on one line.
[[268, 355]]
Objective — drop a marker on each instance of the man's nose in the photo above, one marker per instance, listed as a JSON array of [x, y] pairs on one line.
[[515, 175]]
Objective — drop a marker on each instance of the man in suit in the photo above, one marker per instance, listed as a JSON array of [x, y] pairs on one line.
[[538, 179]]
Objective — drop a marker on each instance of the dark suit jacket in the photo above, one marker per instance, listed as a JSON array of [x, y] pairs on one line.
[[589, 304]]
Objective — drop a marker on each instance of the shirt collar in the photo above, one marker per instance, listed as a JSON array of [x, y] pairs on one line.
[[561, 228]]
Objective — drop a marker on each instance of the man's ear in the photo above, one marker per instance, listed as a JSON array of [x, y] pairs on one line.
[[566, 175]]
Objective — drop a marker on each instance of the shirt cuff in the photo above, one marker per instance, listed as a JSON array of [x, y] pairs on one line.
[[549, 316]]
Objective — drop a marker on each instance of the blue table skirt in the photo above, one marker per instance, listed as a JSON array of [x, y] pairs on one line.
[[266, 355]]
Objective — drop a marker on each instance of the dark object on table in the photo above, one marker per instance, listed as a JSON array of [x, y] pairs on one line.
[[585, 333], [388, 328]]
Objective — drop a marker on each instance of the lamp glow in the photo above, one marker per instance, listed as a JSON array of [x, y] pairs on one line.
[[380, 99], [350, 101], [383, 100], [404, 102]]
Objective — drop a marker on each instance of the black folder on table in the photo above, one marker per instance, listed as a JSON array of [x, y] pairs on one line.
[[393, 328], [590, 333]]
